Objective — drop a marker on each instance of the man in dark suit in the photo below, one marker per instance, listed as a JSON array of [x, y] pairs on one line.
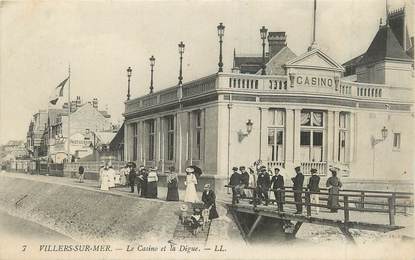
[[277, 182], [244, 180], [298, 181], [235, 182], [263, 184], [313, 186], [131, 175]]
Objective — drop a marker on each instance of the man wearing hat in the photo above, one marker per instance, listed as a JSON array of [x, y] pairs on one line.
[[333, 184], [132, 175], [263, 184], [313, 186], [244, 180], [209, 199], [235, 181], [298, 181], [277, 182]]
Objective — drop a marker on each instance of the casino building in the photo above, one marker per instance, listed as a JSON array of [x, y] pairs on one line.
[[306, 110]]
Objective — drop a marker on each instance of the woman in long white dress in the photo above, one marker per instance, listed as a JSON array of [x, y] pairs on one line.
[[191, 181], [104, 179]]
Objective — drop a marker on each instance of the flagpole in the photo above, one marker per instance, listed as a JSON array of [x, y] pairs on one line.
[[69, 113]]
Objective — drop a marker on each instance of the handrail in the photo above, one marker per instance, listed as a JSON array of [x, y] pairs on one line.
[[391, 198]]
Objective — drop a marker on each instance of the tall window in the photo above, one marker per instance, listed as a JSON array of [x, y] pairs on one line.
[[197, 136], [170, 138], [135, 141], [311, 136], [343, 136], [276, 135], [151, 134], [396, 141]]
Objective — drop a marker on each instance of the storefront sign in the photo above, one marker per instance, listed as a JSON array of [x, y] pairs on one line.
[[315, 81]]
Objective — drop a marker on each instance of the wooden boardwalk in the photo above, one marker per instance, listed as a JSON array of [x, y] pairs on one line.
[[358, 209]]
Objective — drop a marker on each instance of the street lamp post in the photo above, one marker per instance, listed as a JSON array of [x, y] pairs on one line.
[[181, 51], [152, 63], [129, 70], [263, 31], [221, 32]]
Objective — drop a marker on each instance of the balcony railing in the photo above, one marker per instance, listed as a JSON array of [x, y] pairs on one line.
[[265, 84], [321, 168]]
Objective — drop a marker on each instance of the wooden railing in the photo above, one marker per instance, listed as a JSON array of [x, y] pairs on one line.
[[348, 199]]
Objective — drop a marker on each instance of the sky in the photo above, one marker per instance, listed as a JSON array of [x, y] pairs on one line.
[[100, 39]]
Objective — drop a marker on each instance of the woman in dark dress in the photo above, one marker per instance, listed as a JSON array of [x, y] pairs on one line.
[[333, 184], [209, 199], [152, 180], [172, 185]]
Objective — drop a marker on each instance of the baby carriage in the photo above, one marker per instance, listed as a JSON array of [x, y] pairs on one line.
[[194, 220]]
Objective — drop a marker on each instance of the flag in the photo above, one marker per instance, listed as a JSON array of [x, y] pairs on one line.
[[58, 92]]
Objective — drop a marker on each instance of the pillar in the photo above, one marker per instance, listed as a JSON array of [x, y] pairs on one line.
[[289, 138], [296, 131], [126, 142], [336, 136], [330, 137]]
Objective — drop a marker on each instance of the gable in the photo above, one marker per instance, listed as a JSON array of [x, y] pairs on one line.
[[314, 59], [276, 63]]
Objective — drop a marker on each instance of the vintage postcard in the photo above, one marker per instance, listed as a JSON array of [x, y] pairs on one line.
[[207, 129]]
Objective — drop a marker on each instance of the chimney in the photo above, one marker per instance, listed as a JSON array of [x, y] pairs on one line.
[[276, 41], [95, 103]]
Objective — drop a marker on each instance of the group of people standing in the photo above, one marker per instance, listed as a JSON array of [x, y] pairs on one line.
[[144, 179], [257, 183]]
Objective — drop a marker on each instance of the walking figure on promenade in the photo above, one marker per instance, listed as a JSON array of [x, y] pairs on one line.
[[277, 182], [132, 175], [105, 178], [333, 184], [191, 181], [172, 185], [298, 182], [81, 173], [209, 199], [152, 181], [313, 186]]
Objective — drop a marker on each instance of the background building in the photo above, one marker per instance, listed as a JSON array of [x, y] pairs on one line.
[[302, 112], [84, 118]]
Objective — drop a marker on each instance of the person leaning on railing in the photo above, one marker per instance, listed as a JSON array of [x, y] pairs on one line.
[[298, 181], [333, 184], [277, 182], [235, 182], [313, 186], [264, 184]]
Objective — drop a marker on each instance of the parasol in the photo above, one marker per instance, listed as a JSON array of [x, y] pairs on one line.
[[197, 170]]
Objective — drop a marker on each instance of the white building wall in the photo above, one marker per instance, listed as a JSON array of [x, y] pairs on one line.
[[383, 162]]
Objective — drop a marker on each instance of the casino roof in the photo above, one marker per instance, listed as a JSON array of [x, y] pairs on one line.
[[384, 46]]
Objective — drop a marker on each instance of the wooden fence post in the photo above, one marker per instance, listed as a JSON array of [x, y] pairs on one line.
[[362, 199], [394, 202], [391, 203], [307, 203], [346, 208]]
